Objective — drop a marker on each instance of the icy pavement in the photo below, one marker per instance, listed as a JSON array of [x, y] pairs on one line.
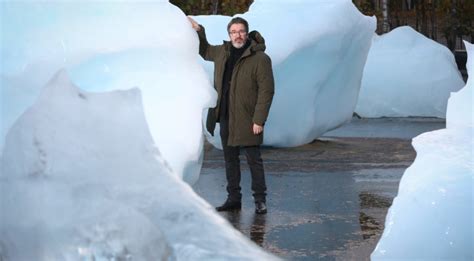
[[402, 128], [327, 200]]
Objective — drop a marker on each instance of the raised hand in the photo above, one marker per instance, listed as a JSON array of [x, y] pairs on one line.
[[194, 24]]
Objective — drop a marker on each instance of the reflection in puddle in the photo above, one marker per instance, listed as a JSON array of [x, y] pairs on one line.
[[313, 216], [257, 230], [234, 218], [369, 225], [257, 227], [369, 200]]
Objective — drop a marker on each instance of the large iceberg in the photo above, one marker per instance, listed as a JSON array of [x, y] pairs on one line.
[[82, 182], [432, 216], [318, 51], [110, 45], [407, 74]]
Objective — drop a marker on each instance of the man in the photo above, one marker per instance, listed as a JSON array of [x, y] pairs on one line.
[[243, 79]]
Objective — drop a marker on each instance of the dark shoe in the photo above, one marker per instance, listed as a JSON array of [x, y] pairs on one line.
[[230, 205], [260, 208]]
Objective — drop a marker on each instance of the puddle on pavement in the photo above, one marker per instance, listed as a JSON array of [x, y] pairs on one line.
[[322, 204], [311, 215]]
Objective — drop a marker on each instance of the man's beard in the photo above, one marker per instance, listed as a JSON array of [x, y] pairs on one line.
[[238, 45]]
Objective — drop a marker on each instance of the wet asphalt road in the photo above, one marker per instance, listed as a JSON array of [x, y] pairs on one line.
[[326, 200]]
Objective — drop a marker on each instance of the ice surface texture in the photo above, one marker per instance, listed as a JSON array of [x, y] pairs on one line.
[[104, 46], [432, 216], [407, 74], [81, 183]]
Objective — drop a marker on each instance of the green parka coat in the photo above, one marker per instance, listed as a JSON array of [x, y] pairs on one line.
[[251, 88]]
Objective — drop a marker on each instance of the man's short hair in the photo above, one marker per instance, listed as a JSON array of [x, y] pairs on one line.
[[238, 20]]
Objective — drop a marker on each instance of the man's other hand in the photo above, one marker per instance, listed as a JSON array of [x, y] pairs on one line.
[[257, 129]]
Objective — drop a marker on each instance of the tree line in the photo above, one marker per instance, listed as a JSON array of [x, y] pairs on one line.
[[445, 21], [213, 7]]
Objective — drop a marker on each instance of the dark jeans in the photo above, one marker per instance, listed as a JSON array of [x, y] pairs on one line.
[[232, 168]]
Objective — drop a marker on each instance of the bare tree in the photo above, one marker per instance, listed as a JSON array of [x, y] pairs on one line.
[[385, 24], [424, 19], [434, 27], [215, 4], [452, 26]]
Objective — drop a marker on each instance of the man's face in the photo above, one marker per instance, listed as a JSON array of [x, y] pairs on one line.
[[238, 35]]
